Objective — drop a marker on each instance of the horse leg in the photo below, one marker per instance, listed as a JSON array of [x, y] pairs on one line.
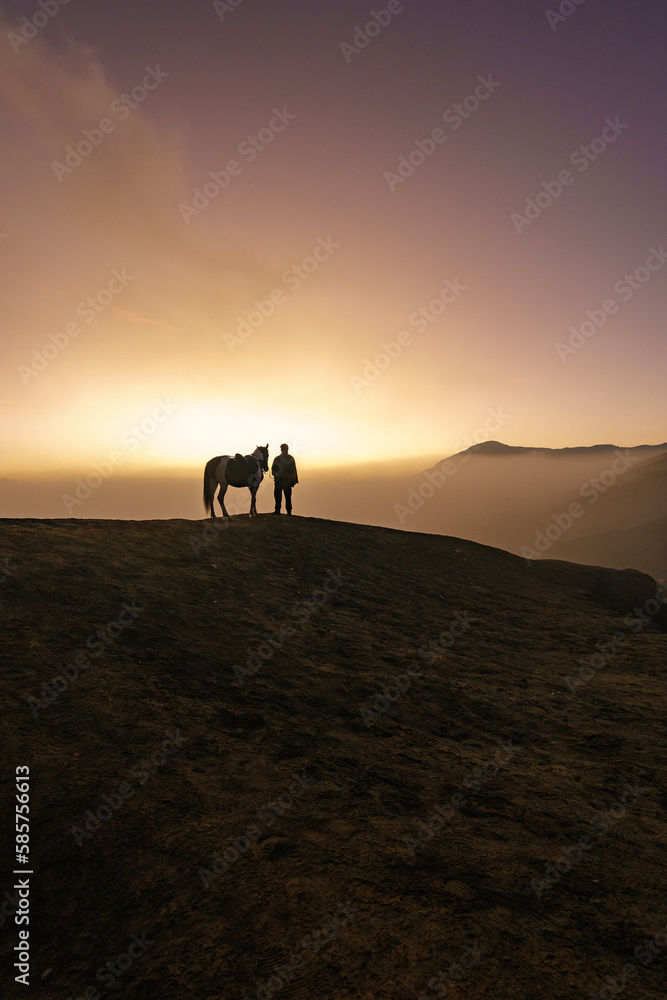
[[213, 484], [253, 492], [221, 499]]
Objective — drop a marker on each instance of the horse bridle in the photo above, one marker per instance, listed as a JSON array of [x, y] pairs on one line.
[[262, 461]]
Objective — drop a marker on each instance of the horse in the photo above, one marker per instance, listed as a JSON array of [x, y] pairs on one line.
[[244, 471]]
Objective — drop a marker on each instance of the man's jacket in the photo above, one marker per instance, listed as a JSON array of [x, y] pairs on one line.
[[283, 470]]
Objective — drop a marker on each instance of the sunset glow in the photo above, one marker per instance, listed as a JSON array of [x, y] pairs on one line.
[[365, 249]]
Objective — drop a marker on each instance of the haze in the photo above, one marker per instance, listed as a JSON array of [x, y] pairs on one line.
[[379, 237]]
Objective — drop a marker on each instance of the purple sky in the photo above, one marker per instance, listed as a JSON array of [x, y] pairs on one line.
[[358, 258]]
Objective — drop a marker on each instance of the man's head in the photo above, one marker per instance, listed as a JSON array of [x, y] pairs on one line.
[[284, 448]]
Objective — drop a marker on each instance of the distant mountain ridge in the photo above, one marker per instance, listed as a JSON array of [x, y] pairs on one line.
[[601, 504], [497, 448]]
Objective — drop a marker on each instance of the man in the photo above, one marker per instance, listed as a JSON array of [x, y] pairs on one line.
[[283, 471]]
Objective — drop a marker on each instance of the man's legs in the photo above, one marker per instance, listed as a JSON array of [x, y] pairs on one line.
[[288, 498], [278, 496]]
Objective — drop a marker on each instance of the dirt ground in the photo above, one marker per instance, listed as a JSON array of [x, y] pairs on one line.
[[300, 758]]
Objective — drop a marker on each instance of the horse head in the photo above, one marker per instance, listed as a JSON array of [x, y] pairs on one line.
[[264, 460]]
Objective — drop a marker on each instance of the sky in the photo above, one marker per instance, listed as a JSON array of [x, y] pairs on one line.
[[378, 233]]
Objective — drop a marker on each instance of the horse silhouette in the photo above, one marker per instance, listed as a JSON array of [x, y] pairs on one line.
[[240, 471]]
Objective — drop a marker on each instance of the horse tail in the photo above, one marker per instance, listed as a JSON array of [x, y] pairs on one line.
[[209, 484]]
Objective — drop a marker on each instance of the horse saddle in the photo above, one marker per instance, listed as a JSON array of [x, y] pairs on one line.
[[241, 471]]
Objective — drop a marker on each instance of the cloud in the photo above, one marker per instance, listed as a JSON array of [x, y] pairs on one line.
[[133, 318], [117, 209], [71, 225], [119, 205]]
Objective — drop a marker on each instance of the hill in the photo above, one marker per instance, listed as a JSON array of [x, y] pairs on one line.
[[626, 526], [310, 759], [516, 498]]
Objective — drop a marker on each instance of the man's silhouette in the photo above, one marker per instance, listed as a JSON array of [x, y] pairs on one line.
[[283, 471]]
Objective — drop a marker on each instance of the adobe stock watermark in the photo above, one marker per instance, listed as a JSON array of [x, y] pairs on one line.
[[383, 700], [645, 953], [87, 310], [363, 36], [602, 822], [435, 479], [97, 642], [636, 621], [581, 158], [31, 27], [131, 439], [311, 944], [420, 320], [113, 970], [401, 683], [267, 814], [249, 149], [440, 984], [475, 781], [212, 527], [122, 107], [592, 490], [113, 801], [8, 907], [293, 278], [223, 7], [566, 9], [7, 569], [454, 116], [626, 287], [434, 649], [301, 612], [465, 447]]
